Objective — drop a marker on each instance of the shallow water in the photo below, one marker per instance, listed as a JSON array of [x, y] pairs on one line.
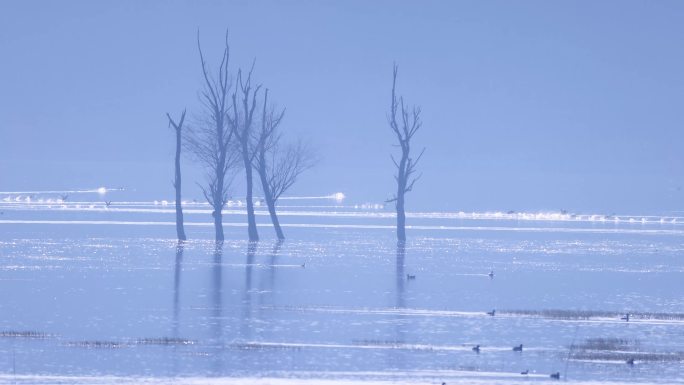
[[108, 292]]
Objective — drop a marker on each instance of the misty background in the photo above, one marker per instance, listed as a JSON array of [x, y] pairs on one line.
[[531, 105]]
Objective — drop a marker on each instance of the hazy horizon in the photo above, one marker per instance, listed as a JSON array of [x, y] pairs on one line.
[[526, 106]]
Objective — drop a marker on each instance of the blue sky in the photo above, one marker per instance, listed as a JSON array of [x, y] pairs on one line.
[[527, 105]]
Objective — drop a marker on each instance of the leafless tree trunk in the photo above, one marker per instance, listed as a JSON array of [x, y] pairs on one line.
[[211, 141], [241, 118], [180, 231], [404, 127], [278, 168]]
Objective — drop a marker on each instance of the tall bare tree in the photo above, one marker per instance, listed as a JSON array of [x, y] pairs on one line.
[[212, 139], [278, 167], [404, 126], [241, 118], [178, 127]]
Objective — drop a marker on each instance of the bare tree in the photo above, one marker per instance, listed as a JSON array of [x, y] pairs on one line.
[[212, 140], [404, 127], [241, 118], [278, 167], [180, 231]]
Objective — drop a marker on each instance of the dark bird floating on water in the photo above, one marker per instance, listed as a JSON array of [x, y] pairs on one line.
[[517, 348], [625, 318], [476, 348], [525, 372], [491, 313], [491, 274], [630, 362], [555, 376], [410, 276]]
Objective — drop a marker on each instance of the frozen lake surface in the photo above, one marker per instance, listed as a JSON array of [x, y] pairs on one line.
[[105, 295]]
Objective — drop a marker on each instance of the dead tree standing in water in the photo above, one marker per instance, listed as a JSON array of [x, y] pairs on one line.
[[404, 127], [180, 231], [211, 141], [241, 120], [278, 168]]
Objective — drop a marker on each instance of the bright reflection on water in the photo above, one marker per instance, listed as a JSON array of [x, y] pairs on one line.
[[80, 300]]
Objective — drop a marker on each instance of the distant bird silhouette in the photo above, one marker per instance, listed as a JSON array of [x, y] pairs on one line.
[[108, 203], [555, 376], [525, 372], [304, 264], [517, 348], [491, 313], [410, 276], [476, 348], [491, 274], [625, 318], [64, 197], [630, 362]]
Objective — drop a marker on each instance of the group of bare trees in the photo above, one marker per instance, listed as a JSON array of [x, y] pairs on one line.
[[237, 130], [231, 135]]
